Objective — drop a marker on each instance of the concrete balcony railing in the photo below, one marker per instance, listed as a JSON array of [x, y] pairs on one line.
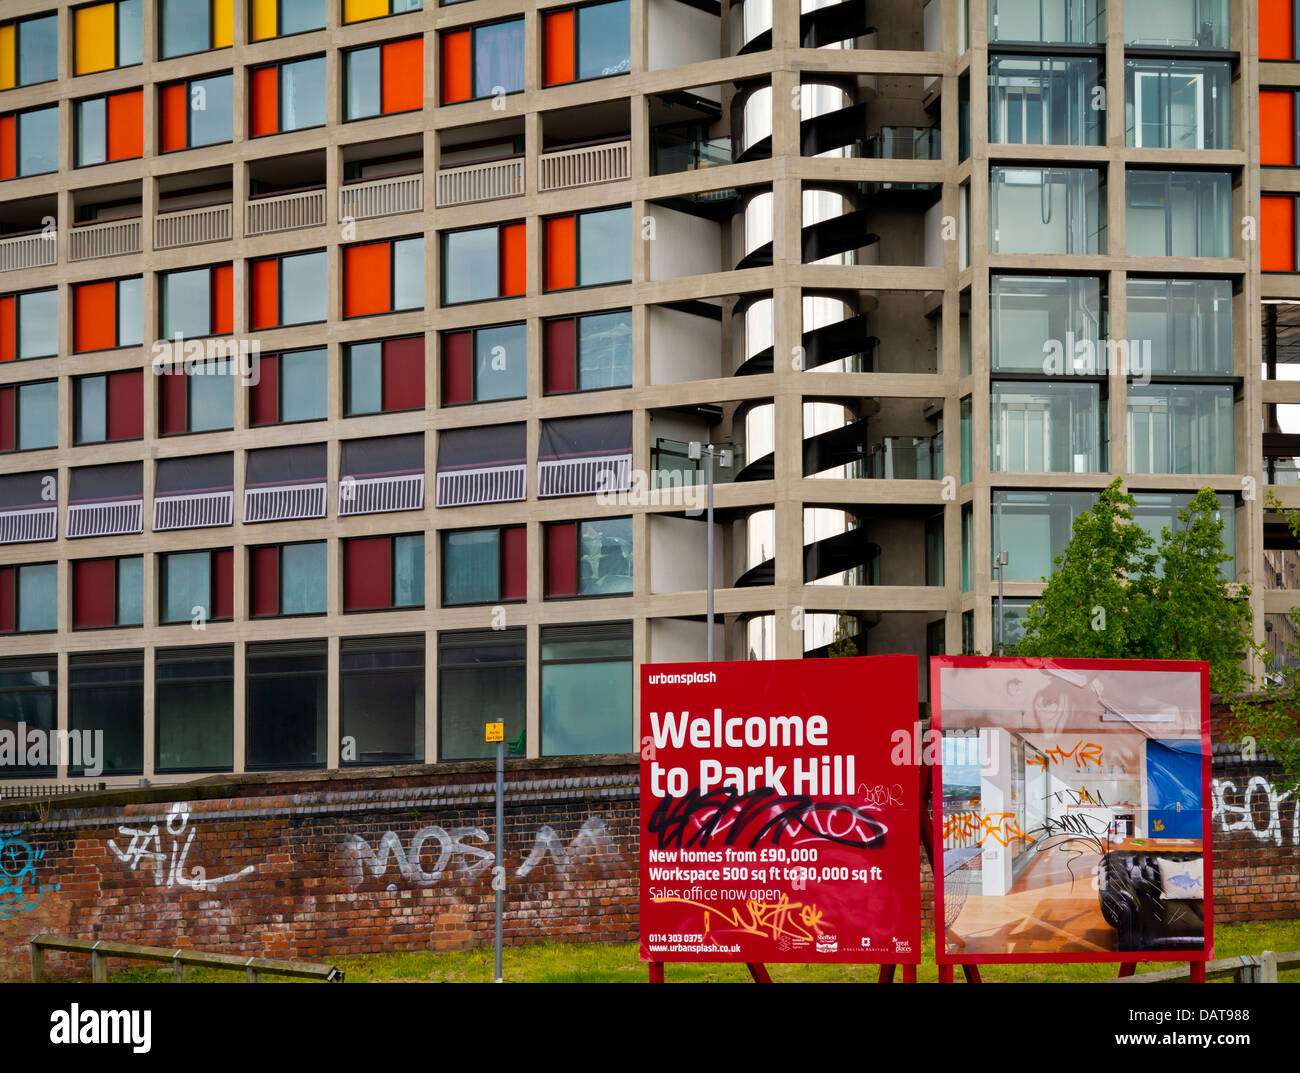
[[112, 238], [586, 165], [481, 182], [285, 212], [389, 196], [38, 250], [192, 227]]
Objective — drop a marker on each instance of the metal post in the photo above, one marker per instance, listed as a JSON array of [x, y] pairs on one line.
[[499, 875], [708, 625], [998, 563]]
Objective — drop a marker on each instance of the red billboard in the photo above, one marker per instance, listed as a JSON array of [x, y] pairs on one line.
[[780, 805]]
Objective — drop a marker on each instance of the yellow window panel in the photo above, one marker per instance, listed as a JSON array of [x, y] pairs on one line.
[[264, 20], [95, 38], [7, 75], [223, 23], [356, 10]]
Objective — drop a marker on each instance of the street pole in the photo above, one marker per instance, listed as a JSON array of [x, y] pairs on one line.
[[499, 879], [708, 625]]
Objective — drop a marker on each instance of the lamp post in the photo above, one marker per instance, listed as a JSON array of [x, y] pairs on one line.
[[999, 564], [697, 451]]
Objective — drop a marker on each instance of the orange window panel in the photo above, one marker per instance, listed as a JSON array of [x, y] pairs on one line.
[[8, 329], [403, 76], [1276, 30], [8, 147], [558, 58], [126, 125], [94, 316], [1277, 234], [266, 293], [561, 258], [367, 279], [1277, 126], [223, 300], [266, 100], [456, 54], [175, 117], [514, 260]]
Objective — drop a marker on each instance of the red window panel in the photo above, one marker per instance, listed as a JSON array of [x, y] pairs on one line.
[[404, 374], [173, 404], [266, 100], [367, 573], [402, 76], [266, 293], [265, 569], [175, 102], [94, 593], [1277, 126], [1276, 29], [8, 147], [513, 259], [514, 563], [367, 279], [125, 403], [223, 300], [558, 59], [266, 392], [126, 125], [560, 366], [223, 583], [457, 367], [1277, 234], [561, 253], [8, 599], [8, 419], [8, 328], [562, 559], [94, 316], [456, 67]]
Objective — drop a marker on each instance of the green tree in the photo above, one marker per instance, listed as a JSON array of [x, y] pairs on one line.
[[844, 643]]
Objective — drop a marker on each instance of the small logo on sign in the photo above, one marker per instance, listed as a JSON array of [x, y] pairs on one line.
[[827, 944]]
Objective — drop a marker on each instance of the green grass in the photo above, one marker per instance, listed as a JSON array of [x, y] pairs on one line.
[[598, 963]]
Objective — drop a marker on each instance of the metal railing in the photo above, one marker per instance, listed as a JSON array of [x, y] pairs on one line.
[[112, 238], [193, 510], [28, 251], [106, 519], [910, 458], [35, 791], [375, 495], [585, 166], [584, 476], [491, 484], [192, 227], [481, 182], [32, 523], [389, 196], [254, 968], [906, 143], [284, 502], [285, 212]]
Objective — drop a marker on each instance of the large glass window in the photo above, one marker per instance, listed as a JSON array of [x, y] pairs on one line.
[[29, 694], [106, 697], [29, 598], [1157, 511], [303, 578], [36, 331], [586, 689], [211, 396], [470, 265], [589, 558], [1056, 22], [471, 566], [383, 376], [37, 151], [29, 51], [1040, 100], [605, 246], [189, 26], [603, 39], [1033, 528], [1180, 428], [286, 705], [588, 353], [302, 94], [1179, 213], [1035, 319], [1186, 323], [304, 384], [481, 679], [212, 116], [1177, 23], [499, 58], [1047, 210], [29, 416], [381, 716], [1047, 428], [186, 578], [194, 706], [485, 364], [1178, 104]]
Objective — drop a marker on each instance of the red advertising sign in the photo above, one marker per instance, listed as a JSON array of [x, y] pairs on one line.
[[780, 811]]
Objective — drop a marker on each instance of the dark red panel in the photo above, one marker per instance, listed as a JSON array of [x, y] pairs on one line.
[[457, 367], [561, 362], [562, 559], [126, 405], [367, 573], [94, 593], [223, 583], [8, 599], [404, 374], [265, 589], [266, 392], [514, 563], [174, 405], [8, 424]]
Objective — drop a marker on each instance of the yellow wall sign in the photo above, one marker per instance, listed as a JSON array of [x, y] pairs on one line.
[[494, 732]]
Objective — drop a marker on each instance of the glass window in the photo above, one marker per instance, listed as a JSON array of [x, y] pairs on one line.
[[481, 678], [1013, 622], [92, 409], [605, 246], [365, 380], [1047, 428], [130, 311], [382, 710], [586, 690], [211, 396], [1046, 324], [38, 605], [92, 131], [38, 324], [408, 570], [408, 274], [604, 350], [1047, 210], [302, 288], [604, 40], [302, 94], [363, 82], [1179, 213], [212, 115], [1180, 326], [186, 27], [186, 299], [130, 32], [38, 50], [302, 578], [304, 385], [38, 141], [499, 58], [1176, 23], [1178, 104], [1057, 22], [29, 694], [1156, 511], [299, 16], [470, 265], [1039, 100], [605, 556], [501, 362], [967, 448], [967, 545], [1033, 528], [1180, 428], [38, 415], [130, 591], [286, 705], [186, 581], [471, 566], [194, 709], [106, 695]]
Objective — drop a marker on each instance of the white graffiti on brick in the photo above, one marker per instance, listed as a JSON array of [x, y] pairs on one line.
[[1273, 826], [169, 869], [471, 858]]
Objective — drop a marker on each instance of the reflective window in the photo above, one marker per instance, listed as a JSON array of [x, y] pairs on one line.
[[286, 704], [408, 274], [1179, 213], [605, 556], [211, 396], [499, 58], [1047, 210], [1157, 511], [302, 94], [304, 385], [1180, 428], [605, 350], [212, 115], [1047, 428], [106, 697], [1046, 324], [1033, 528], [1180, 326], [481, 678], [605, 246], [586, 689], [38, 141], [303, 578], [381, 711], [186, 584], [1177, 23], [194, 709], [470, 270], [500, 364], [1057, 22], [302, 288], [1039, 100], [1178, 104], [604, 39]]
